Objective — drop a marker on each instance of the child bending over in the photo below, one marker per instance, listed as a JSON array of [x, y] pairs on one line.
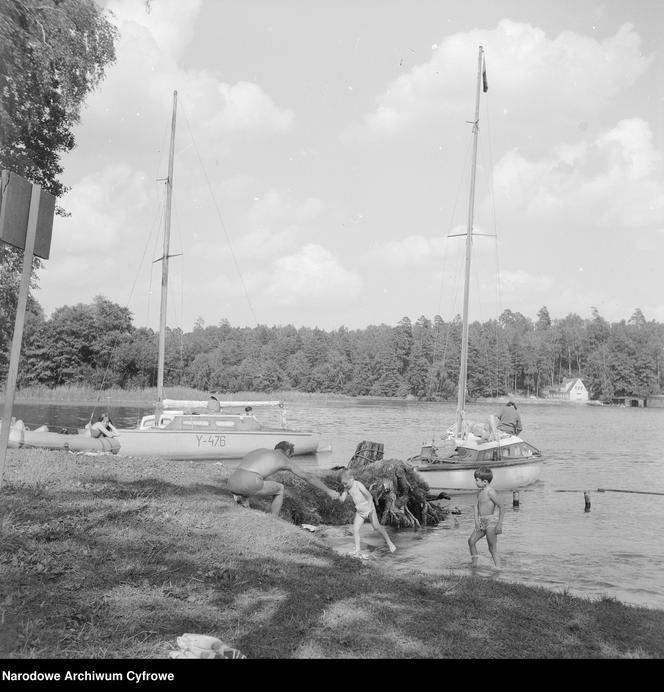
[[487, 523], [365, 509]]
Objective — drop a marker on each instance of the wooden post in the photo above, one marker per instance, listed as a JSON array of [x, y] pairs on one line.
[[12, 374], [586, 497]]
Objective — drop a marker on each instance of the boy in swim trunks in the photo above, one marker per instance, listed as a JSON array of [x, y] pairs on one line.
[[487, 523], [364, 509], [248, 479]]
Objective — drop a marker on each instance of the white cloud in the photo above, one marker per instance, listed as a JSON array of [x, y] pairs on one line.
[[411, 251], [312, 277], [137, 91], [571, 73], [170, 23], [614, 181]]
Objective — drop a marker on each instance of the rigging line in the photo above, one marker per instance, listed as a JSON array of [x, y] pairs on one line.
[[492, 197], [455, 284], [181, 255], [115, 341], [221, 221], [153, 233]]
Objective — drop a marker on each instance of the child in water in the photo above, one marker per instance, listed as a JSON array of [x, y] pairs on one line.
[[487, 523], [364, 508]]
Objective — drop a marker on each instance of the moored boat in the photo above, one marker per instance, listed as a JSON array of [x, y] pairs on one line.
[[451, 467], [180, 429]]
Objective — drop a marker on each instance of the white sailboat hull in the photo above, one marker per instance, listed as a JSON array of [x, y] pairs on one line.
[[455, 477], [168, 444], [234, 444]]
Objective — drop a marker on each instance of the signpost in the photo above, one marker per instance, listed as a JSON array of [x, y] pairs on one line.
[[26, 221]]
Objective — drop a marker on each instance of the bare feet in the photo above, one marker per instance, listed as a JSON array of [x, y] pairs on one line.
[[357, 553]]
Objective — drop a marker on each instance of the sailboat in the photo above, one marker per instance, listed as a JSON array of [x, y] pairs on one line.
[[515, 463], [180, 429]]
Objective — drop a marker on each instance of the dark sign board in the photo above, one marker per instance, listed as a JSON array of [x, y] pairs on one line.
[[15, 193]]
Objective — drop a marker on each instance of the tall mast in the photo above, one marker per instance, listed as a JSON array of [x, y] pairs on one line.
[[463, 370], [164, 258]]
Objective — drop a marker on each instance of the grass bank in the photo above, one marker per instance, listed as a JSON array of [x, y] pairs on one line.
[[104, 557]]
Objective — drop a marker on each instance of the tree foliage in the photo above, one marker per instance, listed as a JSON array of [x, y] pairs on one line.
[[53, 53], [97, 345]]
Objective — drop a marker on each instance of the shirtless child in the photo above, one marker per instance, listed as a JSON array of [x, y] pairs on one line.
[[249, 478], [364, 509], [487, 523]]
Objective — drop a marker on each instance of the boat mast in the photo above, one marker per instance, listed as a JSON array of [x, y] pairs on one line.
[[463, 370], [164, 258]]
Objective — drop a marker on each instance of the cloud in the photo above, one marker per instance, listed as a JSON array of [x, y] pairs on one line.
[[102, 210], [312, 277], [532, 73], [411, 251], [418, 250], [137, 91], [613, 181]]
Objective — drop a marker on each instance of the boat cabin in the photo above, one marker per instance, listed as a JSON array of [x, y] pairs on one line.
[[515, 450], [179, 420], [510, 447]]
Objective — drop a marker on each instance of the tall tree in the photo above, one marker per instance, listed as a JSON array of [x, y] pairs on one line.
[[53, 53]]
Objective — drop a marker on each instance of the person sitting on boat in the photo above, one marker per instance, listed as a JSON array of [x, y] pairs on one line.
[[103, 427], [509, 419], [248, 479], [213, 405], [484, 431]]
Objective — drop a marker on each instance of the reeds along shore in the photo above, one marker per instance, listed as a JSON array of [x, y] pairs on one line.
[[116, 558], [75, 394]]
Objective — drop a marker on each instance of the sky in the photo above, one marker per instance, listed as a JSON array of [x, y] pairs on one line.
[[323, 157]]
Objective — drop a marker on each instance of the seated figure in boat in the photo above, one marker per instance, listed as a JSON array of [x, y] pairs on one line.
[[103, 427], [509, 419], [485, 431], [213, 405]]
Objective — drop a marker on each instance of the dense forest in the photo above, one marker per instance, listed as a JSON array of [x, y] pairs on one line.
[[97, 345]]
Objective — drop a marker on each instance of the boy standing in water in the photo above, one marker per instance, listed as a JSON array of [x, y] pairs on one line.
[[364, 508], [487, 523]]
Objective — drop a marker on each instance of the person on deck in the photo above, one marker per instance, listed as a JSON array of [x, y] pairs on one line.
[[249, 478], [213, 405], [509, 419], [104, 427]]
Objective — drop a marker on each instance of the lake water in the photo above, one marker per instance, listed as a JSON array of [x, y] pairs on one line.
[[614, 550]]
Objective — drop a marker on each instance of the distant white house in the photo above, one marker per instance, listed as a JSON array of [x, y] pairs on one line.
[[571, 389]]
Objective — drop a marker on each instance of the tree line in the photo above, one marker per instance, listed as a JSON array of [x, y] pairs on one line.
[[97, 345]]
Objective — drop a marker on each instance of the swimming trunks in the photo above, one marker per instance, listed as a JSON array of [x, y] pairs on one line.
[[244, 482], [487, 521], [364, 509]]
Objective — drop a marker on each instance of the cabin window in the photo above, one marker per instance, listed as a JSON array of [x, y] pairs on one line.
[[195, 423]]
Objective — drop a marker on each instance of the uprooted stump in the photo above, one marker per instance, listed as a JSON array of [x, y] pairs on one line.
[[400, 496]]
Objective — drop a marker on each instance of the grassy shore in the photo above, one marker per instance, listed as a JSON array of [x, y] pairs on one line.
[[105, 557]]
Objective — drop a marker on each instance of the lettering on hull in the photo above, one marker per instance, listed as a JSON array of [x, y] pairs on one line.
[[211, 440]]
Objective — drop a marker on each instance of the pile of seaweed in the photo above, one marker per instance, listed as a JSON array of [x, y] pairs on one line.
[[401, 497]]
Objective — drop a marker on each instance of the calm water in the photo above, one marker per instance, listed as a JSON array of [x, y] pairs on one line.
[[614, 550]]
